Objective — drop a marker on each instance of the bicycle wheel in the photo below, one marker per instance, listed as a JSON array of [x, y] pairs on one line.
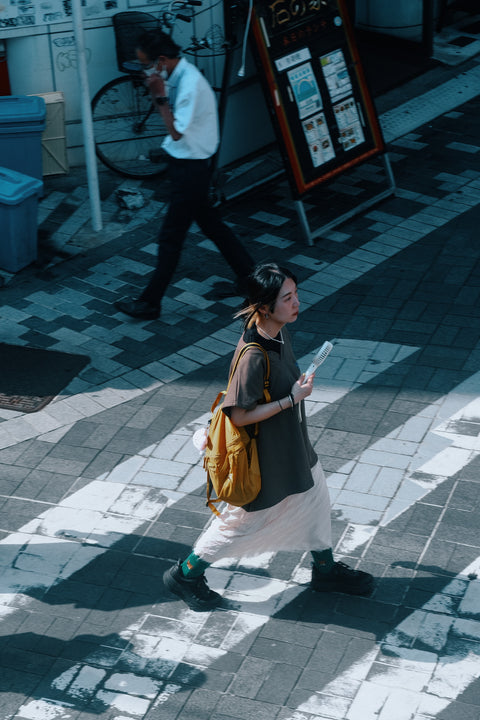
[[128, 131]]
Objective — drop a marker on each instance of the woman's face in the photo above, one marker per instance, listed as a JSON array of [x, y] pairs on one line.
[[287, 304]]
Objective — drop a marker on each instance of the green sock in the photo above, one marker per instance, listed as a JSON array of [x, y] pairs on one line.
[[193, 566], [323, 560]]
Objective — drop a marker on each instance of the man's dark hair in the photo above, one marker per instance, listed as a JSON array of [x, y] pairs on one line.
[[155, 43]]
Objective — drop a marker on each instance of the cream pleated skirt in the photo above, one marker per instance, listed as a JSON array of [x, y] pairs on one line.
[[299, 522]]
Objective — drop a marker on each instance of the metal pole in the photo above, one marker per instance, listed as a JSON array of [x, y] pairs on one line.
[[302, 216], [88, 138], [428, 26]]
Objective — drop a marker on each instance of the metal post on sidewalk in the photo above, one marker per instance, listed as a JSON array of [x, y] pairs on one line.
[[428, 26], [87, 122]]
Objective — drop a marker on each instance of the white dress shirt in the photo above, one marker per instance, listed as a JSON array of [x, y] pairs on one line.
[[195, 114]]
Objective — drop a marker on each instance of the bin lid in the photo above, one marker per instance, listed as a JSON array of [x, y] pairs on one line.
[[16, 187], [19, 109]]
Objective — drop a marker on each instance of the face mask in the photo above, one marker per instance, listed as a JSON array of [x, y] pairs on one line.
[[150, 71], [163, 73]]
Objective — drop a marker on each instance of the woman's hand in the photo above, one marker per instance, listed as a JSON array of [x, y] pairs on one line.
[[302, 388]]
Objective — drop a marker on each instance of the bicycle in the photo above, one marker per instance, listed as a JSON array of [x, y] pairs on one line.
[[128, 131]]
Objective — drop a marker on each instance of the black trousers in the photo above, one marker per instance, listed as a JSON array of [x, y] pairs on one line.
[[189, 201]]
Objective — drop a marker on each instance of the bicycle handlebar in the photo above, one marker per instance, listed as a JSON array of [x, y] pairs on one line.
[[185, 18], [194, 2]]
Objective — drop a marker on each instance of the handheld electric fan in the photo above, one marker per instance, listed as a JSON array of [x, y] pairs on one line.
[[321, 355]]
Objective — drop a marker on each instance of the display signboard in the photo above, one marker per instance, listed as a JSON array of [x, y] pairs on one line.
[[323, 112]]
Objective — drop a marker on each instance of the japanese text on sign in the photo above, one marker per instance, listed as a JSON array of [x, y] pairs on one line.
[[286, 12]]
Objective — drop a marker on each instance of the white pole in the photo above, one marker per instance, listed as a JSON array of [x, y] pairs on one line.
[[88, 137]]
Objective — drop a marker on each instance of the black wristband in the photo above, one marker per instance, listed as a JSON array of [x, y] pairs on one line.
[[161, 100]]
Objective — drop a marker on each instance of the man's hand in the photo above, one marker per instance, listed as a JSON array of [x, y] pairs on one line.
[[156, 85]]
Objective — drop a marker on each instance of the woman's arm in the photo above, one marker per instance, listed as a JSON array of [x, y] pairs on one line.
[[240, 416]]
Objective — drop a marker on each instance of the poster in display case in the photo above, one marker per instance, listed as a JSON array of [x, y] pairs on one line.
[[324, 116]]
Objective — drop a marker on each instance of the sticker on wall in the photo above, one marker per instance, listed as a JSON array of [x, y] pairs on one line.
[[22, 13]]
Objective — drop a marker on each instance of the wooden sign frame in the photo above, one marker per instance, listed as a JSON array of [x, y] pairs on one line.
[[321, 107]]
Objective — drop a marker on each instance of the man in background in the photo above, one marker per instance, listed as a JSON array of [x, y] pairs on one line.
[[187, 104]]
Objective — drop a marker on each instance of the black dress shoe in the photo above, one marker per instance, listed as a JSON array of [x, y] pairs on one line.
[[137, 308]]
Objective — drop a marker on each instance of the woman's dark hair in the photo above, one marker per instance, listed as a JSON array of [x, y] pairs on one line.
[[155, 43], [264, 284]]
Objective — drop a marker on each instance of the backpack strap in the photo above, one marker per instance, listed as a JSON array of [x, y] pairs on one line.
[[218, 399]]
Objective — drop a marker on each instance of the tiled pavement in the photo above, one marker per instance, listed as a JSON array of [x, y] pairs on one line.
[[102, 489]]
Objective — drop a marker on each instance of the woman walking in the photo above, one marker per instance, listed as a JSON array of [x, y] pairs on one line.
[[292, 510]]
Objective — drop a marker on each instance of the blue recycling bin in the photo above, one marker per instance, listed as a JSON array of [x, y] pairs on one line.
[[19, 195], [22, 121]]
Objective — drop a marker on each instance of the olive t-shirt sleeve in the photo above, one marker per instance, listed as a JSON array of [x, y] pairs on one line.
[[246, 387]]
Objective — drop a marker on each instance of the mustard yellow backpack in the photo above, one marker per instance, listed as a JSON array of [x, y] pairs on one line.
[[231, 456]]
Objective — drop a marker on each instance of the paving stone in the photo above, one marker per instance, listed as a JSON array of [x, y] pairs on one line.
[[25, 661], [245, 708], [200, 704], [403, 275]]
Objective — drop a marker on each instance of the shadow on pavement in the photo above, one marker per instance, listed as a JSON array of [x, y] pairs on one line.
[[121, 599]]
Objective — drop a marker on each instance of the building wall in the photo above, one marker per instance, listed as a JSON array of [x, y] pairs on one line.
[[42, 58], [402, 19]]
